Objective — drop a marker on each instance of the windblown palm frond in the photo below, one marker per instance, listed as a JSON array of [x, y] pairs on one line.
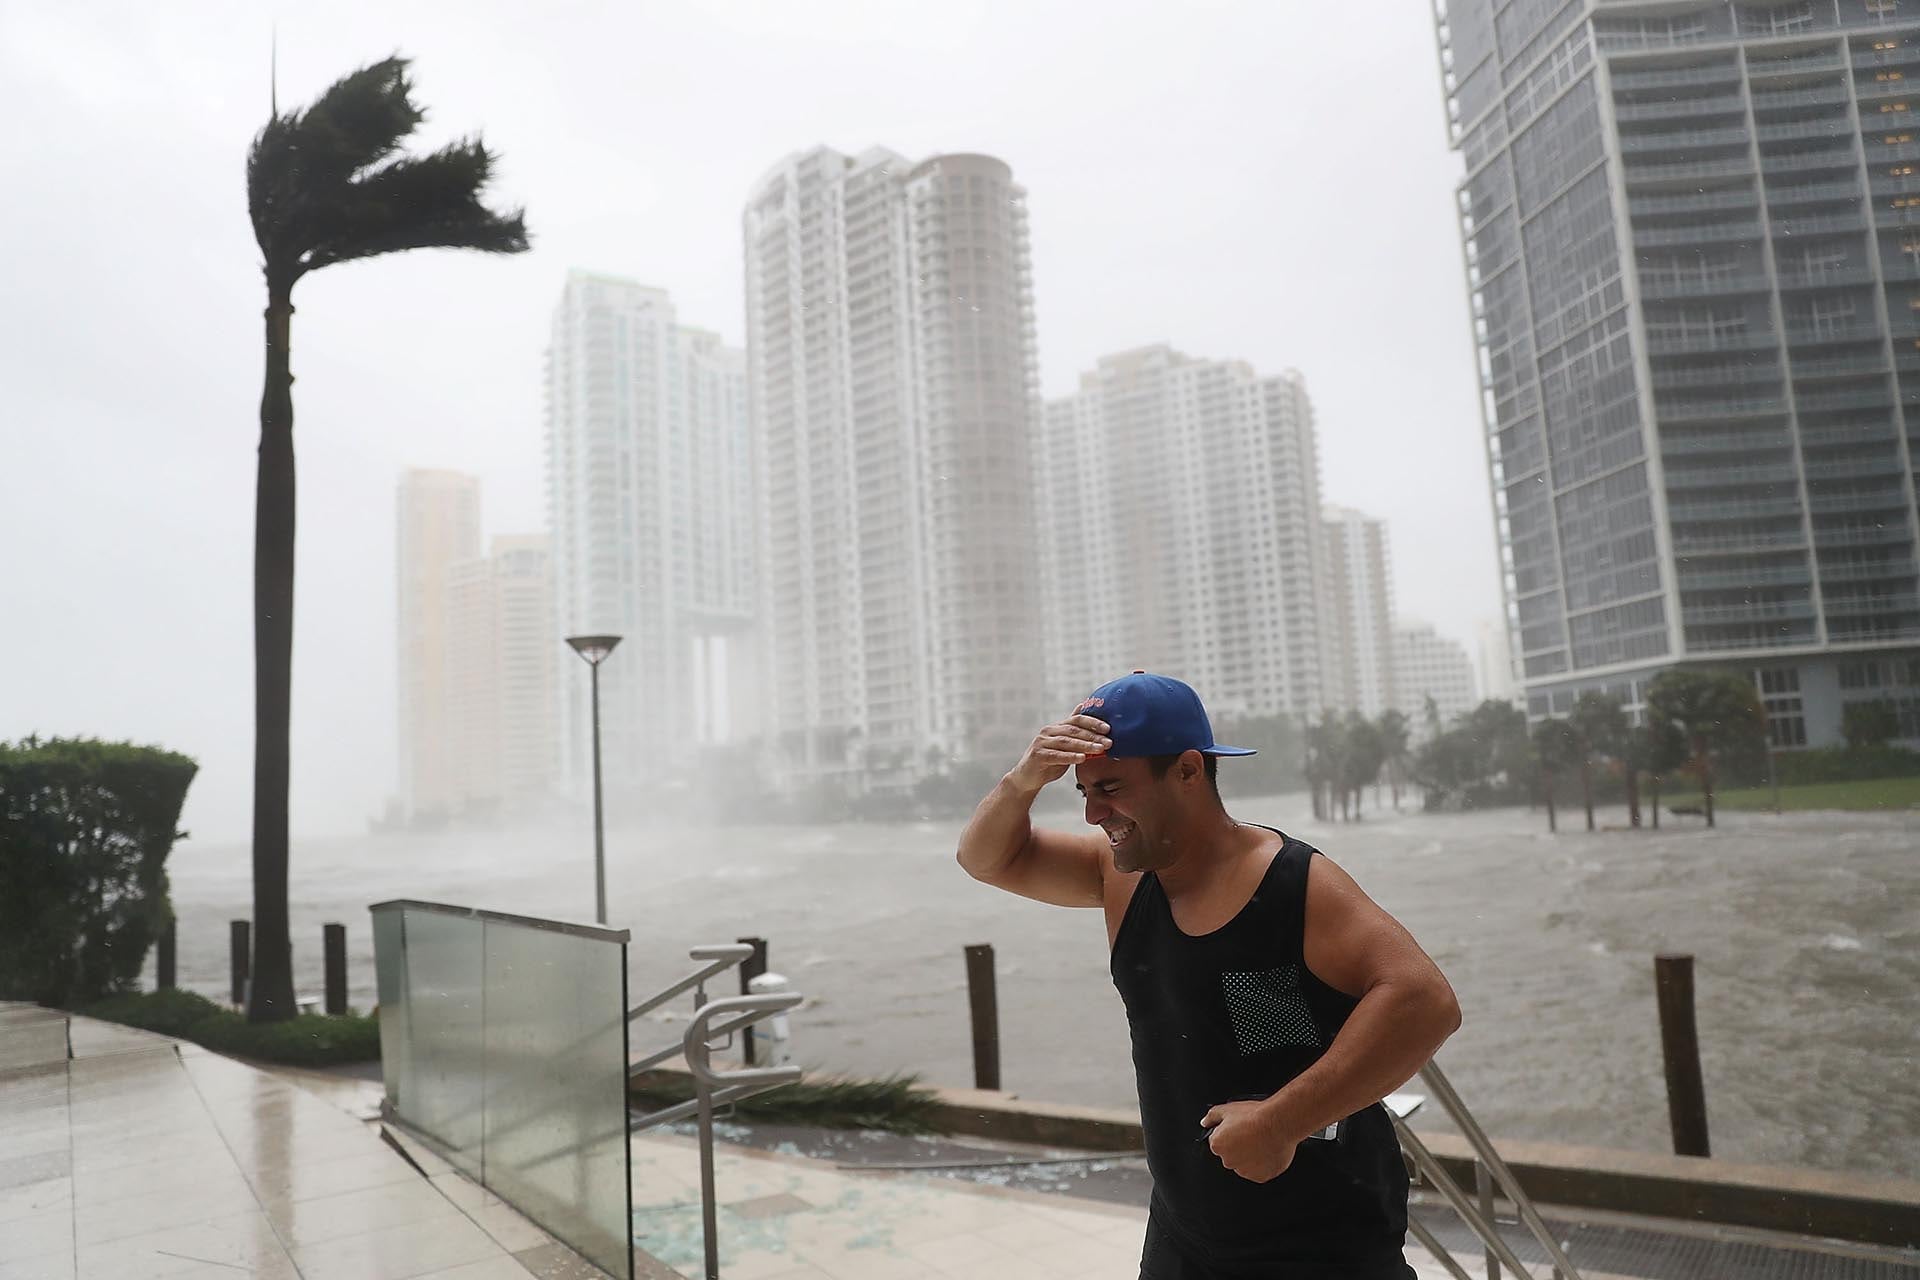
[[325, 184]]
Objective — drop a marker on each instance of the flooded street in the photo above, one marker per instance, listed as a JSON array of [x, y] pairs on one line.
[[1806, 928]]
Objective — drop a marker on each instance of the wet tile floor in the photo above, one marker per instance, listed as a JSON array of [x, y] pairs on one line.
[[141, 1157]]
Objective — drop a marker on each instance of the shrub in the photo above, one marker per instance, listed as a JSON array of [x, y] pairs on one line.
[[895, 1103], [85, 830], [311, 1041]]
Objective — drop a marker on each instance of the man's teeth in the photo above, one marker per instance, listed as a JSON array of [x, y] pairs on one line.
[[1116, 834]]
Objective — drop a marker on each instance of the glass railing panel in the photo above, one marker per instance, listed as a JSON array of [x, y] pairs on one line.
[[442, 1088], [390, 978], [556, 1109]]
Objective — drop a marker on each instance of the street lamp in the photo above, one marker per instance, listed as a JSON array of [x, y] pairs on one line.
[[595, 650]]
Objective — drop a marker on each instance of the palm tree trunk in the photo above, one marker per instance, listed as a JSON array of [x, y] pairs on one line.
[[1633, 798], [1653, 783], [1552, 821], [271, 998], [1586, 789]]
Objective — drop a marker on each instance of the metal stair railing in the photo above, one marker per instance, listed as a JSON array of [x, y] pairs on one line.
[[712, 1089], [1489, 1169]]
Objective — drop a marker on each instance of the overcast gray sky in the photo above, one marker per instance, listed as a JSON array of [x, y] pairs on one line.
[[1266, 180]]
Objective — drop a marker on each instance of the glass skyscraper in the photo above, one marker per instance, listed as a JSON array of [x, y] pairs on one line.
[[1692, 236]]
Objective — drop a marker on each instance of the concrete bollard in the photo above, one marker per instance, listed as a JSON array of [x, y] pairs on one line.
[[750, 968], [779, 1046]]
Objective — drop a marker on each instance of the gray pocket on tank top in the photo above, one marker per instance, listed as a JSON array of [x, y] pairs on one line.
[[1268, 1009]]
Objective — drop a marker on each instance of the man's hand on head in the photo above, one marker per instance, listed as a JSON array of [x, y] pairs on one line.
[[1058, 748]]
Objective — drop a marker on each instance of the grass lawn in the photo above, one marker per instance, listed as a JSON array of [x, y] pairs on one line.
[[1875, 793]]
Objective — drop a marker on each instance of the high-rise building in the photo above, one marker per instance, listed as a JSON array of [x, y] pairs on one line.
[[1693, 252], [501, 703], [650, 507], [437, 526], [1180, 531], [1493, 661], [1360, 602], [893, 371], [1426, 665]]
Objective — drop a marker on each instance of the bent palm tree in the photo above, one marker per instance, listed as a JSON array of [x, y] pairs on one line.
[[326, 185]]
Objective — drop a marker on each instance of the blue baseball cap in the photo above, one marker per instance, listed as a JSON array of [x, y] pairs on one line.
[[1149, 715]]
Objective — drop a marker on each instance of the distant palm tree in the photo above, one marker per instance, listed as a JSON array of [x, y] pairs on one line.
[[327, 185]]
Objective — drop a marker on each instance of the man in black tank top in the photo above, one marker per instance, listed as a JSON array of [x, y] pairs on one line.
[[1272, 1004]]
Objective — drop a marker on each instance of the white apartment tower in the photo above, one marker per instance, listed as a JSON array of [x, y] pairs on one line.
[[1180, 531], [502, 705], [1360, 596], [437, 526], [1430, 665], [893, 372], [650, 512]]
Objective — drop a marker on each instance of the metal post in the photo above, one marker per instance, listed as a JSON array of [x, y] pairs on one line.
[[240, 957], [709, 1217], [1483, 1184], [163, 966], [1680, 1045], [599, 824], [985, 1007], [750, 968], [333, 939]]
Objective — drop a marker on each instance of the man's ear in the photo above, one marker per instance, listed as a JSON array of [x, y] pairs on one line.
[[1192, 765]]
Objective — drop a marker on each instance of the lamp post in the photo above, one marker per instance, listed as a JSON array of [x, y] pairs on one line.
[[595, 650]]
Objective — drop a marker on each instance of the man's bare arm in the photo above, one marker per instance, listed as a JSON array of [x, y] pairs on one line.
[[1000, 846], [1405, 1013]]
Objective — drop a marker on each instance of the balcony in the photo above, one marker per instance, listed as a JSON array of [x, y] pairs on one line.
[[1855, 606], [1692, 170], [1733, 509], [1717, 375], [1711, 73], [1683, 139], [1882, 90], [1846, 434], [1833, 504], [1725, 477], [1874, 535], [1725, 442], [1874, 571], [1851, 331], [1780, 99], [1659, 287], [1715, 409], [1837, 127], [1840, 366], [1735, 198], [1826, 224], [1699, 233], [1793, 575], [1872, 59], [1767, 68], [1706, 543], [1805, 162], [1812, 192], [1729, 105], [1827, 401], [1878, 465], [1674, 344], [1845, 277], [1754, 611]]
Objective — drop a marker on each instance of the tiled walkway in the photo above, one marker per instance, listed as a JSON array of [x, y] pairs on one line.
[[140, 1157]]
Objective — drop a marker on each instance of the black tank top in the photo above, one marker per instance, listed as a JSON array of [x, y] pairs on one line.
[[1236, 1014]]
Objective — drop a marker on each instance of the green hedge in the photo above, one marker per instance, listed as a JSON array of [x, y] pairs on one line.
[[85, 829], [895, 1103], [1844, 764], [310, 1041]]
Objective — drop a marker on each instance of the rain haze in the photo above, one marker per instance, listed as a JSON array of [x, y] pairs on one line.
[[1261, 181]]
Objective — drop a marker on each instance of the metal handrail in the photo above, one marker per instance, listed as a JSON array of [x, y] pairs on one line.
[[712, 1020], [1479, 1221]]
